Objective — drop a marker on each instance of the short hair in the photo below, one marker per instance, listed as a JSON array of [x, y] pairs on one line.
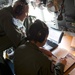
[[38, 31], [24, 1], [19, 6], [20, 1]]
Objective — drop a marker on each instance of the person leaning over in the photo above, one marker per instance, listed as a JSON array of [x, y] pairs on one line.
[[10, 34], [29, 60]]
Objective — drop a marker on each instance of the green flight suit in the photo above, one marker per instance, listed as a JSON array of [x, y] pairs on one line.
[[28, 60]]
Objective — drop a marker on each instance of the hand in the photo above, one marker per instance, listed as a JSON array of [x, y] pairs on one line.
[[46, 52], [62, 60]]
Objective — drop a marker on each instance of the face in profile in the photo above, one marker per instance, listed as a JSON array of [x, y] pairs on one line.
[[26, 10]]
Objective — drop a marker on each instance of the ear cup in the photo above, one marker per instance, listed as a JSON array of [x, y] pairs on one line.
[[41, 35], [18, 10], [24, 1], [38, 31]]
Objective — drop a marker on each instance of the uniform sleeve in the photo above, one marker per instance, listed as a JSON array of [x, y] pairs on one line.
[[11, 31], [51, 69], [46, 68], [45, 71]]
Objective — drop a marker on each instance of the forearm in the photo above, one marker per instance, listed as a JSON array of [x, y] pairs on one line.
[[46, 52]]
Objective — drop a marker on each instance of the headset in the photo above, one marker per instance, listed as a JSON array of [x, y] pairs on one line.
[[39, 34], [19, 8]]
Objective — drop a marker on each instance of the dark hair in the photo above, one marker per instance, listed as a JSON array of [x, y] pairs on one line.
[[38, 31], [23, 1], [19, 9]]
